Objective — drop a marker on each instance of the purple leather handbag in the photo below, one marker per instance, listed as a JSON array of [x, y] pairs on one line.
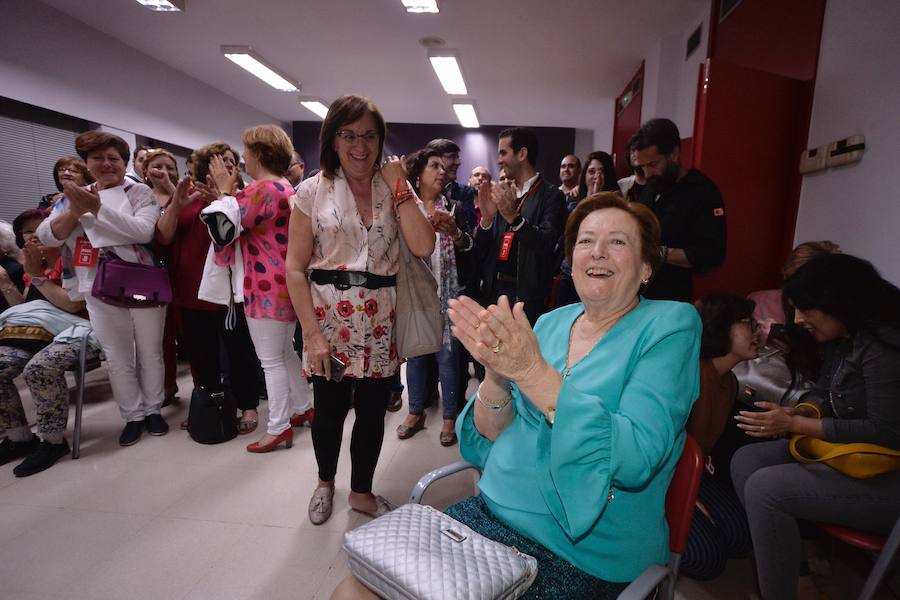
[[131, 285]]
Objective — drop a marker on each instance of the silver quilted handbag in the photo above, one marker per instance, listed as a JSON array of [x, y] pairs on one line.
[[418, 553]]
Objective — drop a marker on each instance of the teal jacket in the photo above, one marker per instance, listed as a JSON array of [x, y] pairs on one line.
[[592, 487]]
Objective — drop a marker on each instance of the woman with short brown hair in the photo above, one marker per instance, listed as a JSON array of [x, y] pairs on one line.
[[345, 229]]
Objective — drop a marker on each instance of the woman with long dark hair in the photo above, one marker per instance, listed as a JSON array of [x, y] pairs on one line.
[[854, 315]]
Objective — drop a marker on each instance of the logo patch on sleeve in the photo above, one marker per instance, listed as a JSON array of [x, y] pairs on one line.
[[718, 212]]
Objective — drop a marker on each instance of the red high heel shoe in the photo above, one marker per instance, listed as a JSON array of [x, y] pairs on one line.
[[305, 417], [286, 436]]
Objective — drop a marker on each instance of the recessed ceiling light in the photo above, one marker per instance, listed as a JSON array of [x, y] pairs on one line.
[[421, 6], [246, 58], [163, 5], [446, 66], [315, 105], [465, 112]]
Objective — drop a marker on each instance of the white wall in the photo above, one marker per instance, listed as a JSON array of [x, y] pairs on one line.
[[857, 92], [53, 61], [670, 81]]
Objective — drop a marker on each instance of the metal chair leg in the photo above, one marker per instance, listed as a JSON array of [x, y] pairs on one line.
[[885, 557], [79, 400]]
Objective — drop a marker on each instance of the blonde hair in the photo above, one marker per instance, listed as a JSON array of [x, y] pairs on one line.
[[802, 254], [153, 155], [271, 145]]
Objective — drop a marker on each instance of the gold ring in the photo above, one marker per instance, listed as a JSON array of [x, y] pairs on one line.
[[762, 427], [496, 349]]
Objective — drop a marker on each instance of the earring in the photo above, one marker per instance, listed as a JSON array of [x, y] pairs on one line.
[[645, 281]]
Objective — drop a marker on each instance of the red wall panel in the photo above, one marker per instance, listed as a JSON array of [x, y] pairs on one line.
[[771, 35], [744, 137]]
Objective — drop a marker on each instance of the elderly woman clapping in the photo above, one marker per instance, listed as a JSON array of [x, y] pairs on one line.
[[579, 422]]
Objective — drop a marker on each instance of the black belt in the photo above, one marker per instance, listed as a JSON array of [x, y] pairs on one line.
[[344, 280]]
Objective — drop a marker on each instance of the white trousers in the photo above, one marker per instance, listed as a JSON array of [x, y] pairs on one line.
[[131, 339], [288, 391]]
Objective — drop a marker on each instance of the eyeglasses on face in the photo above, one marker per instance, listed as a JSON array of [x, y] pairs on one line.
[[369, 138]]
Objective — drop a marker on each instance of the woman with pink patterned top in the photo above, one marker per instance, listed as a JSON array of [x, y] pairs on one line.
[[265, 211], [342, 265]]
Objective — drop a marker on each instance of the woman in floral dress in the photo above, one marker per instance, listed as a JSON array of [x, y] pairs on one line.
[[341, 266]]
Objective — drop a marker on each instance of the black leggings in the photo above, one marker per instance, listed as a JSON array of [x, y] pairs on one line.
[[332, 403], [203, 330]]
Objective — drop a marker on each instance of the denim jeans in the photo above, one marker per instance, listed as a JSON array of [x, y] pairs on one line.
[[777, 491], [417, 379]]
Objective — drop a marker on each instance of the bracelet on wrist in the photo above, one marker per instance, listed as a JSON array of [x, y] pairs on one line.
[[498, 406]]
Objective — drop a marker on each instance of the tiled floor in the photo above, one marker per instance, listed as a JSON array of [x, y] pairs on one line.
[[172, 519]]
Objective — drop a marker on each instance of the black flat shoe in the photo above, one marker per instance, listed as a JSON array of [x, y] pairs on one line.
[[131, 433], [41, 459], [10, 450], [156, 425]]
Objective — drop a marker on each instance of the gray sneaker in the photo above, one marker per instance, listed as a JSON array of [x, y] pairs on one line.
[[320, 505]]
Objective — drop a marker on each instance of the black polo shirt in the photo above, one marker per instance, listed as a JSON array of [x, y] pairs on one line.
[[692, 217]]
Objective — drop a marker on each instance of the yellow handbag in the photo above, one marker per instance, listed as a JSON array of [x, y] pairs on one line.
[[858, 460]]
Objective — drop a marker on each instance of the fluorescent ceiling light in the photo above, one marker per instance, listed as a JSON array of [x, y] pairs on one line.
[[316, 106], [163, 5], [246, 58], [447, 68], [465, 112], [421, 6]]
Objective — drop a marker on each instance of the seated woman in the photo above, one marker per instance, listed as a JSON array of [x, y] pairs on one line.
[[770, 303], [579, 423], [40, 339], [719, 528], [11, 283], [854, 314]]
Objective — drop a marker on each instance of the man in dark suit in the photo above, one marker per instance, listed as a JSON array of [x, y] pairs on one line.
[[520, 226]]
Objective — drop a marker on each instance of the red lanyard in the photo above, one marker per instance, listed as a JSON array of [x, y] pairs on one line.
[[527, 195]]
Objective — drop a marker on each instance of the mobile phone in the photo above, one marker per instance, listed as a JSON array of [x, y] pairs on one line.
[[337, 368]]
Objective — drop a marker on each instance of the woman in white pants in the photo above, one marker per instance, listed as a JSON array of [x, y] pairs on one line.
[[120, 217], [264, 214]]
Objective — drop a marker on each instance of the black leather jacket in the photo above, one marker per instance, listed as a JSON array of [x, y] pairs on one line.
[[859, 388]]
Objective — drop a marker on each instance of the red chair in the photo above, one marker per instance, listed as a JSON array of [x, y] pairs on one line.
[[680, 501], [886, 547]]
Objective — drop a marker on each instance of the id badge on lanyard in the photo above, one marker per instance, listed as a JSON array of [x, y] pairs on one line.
[[506, 246], [85, 255], [507, 241]]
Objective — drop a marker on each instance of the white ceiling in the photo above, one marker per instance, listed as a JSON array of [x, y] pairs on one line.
[[535, 62]]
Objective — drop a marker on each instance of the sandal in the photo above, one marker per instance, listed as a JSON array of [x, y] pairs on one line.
[[247, 424], [448, 438], [383, 507], [404, 432]]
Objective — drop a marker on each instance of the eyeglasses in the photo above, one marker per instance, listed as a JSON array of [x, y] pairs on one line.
[[369, 138], [62, 170]]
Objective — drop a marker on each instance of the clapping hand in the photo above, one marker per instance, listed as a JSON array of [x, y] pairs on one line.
[[205, 193], [161, 181], [505, 199], [34, 263], [82, 200], [185, 193], [443, 222], [500, 337], [486, 205], [219, 179]]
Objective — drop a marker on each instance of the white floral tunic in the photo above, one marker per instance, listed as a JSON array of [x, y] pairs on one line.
[[357, 322]]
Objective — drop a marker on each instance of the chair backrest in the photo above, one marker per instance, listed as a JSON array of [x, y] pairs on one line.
[[682, 495]]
